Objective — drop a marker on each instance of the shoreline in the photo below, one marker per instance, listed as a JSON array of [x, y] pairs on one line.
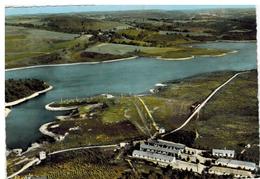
[[7, 111], [44, 130], [111, 61], [175, 59], [237, 41], [70, 64], [192, 57], [49, 108], [13, 103]]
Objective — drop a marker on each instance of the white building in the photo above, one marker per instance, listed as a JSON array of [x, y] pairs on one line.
[[123, 144], [166, 144], [161, 130], [230, 171], [42, 155], [236, 164], [153, 156], [159, 149], [223, 153]]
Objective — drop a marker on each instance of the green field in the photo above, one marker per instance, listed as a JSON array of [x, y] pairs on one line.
[[164, 52], [25, 43]]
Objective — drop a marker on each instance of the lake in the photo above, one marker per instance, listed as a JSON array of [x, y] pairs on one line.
[[128, 77]]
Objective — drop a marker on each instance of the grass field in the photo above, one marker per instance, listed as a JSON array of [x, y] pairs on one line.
[[164, 52], [117, 49], [27, 46], [23, 43]]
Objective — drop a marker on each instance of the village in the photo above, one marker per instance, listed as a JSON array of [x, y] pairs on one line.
[[178, 156]]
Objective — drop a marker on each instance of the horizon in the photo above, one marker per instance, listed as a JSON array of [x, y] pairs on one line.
[[50, 9]]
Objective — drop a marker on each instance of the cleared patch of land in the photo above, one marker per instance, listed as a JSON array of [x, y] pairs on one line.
[[24, 42]]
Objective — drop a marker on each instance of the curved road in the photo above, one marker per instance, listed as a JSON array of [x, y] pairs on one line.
[[203, 104]]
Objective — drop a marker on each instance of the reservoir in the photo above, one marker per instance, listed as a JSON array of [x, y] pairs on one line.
[[127, 77]]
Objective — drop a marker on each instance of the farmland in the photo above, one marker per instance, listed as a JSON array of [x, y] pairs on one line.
[[65, 38]]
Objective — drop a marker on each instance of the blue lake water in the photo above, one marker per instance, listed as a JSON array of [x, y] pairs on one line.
[[131, 76]]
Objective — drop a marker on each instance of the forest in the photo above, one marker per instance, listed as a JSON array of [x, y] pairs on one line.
[[17, 89]]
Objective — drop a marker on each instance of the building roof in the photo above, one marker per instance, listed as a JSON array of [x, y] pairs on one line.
[[223, 151], [158, 148], [230, 171], [153, 155], [237, 163], [167, 143]]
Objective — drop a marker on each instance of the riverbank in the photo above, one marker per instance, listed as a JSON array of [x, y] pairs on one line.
[[185, 58], [13, 103], [49, 108], [110, 61], [7, 111], [70, 64], [192, 57], [44, 130]]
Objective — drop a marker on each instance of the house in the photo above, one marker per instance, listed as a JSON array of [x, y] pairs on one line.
[[236, 164], [161, 130], [42, 155], [223, 153], [230, 171], [123, 144]]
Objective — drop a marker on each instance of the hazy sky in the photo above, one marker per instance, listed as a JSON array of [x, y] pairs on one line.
[[67, 9]]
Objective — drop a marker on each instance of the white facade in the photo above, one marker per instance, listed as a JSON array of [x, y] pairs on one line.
[[42, 155], [223, 153], [230, 171], [161, 130], [153, 156], [236, 164]]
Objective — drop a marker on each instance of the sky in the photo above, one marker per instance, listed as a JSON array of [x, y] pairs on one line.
[[92, 8]]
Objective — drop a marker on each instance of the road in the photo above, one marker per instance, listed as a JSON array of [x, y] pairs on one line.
[[203, 104], [142, 118], [29, 164], [82, 148], [148, 112]]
